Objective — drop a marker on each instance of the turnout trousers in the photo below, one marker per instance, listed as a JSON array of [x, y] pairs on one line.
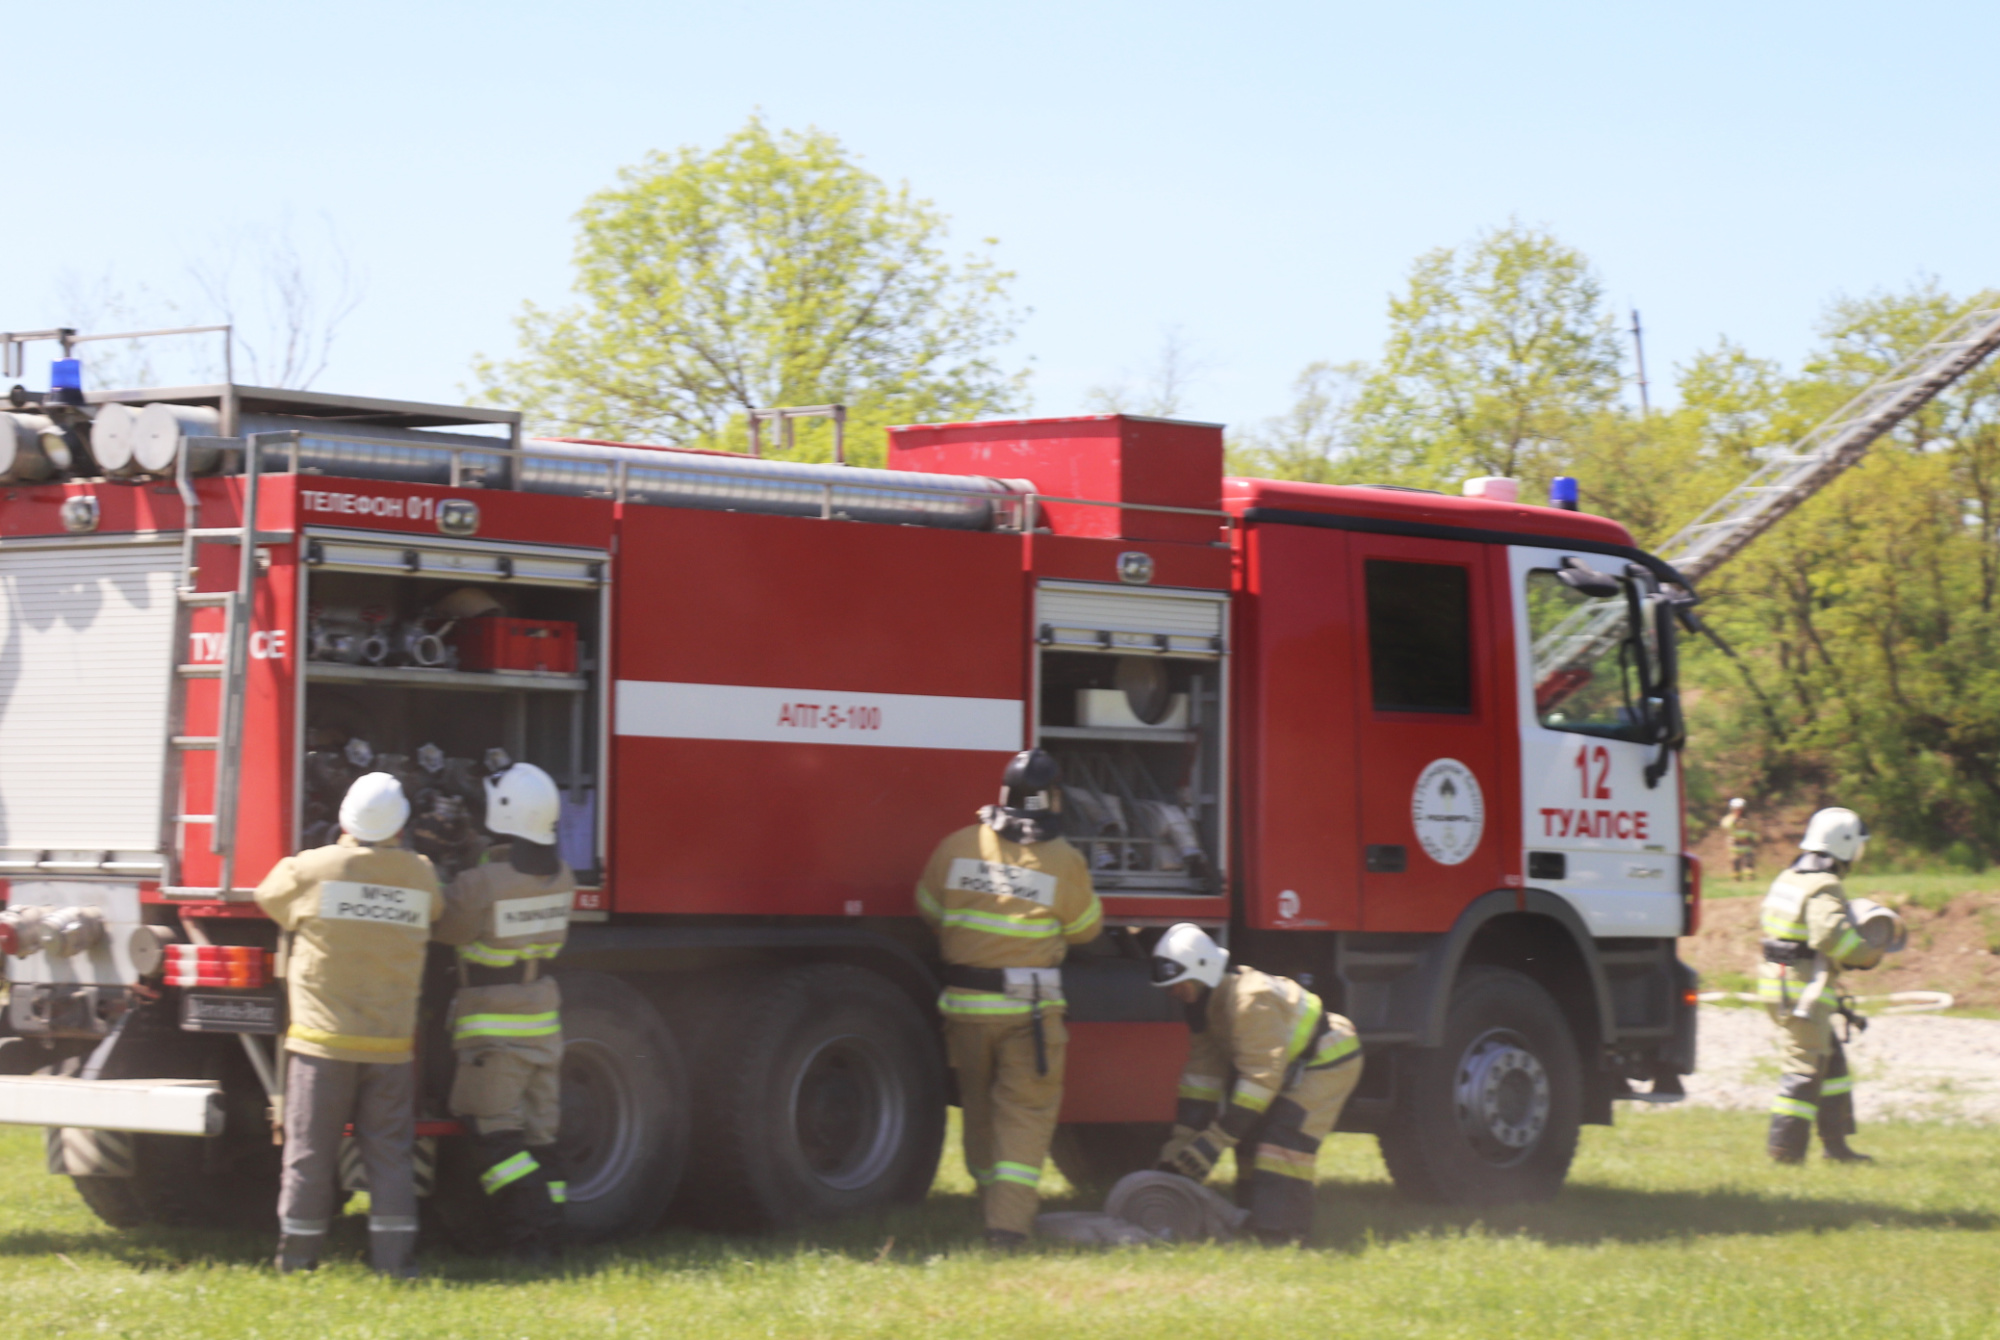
[[1275, 1162], [1816, 1086], [321, 1098], [1010, 1110], [509, 1090]]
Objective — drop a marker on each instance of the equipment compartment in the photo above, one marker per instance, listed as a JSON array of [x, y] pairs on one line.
[[1129, 698], [394, 683]]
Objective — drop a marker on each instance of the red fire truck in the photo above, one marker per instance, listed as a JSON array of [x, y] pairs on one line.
[[1415, 750]]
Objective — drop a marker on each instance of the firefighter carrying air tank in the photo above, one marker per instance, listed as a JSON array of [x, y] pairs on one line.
[[1812, 930]]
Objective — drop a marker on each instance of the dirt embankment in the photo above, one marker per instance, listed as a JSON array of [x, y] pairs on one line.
[[1949, 950]]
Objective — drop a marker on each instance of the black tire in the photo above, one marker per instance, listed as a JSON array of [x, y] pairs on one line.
[[625, 1108], [229, 1182], [1492, 1115], [825, 1097], [624, 1132], [1094, 1155]]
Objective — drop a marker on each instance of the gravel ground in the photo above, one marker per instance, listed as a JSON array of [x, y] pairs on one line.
[[1912, 1066]]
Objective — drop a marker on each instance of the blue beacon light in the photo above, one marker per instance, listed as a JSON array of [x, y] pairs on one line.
[[1563, 492], [66, 381]]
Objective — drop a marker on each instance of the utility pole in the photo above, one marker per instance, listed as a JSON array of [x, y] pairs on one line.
[[1639, 354]]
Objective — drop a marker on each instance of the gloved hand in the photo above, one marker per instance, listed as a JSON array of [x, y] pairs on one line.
[[1182, 1137], [1196, 1159]]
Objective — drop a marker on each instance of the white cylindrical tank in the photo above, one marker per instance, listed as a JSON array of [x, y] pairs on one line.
[[161, 434], [111, 439], [31, 449]]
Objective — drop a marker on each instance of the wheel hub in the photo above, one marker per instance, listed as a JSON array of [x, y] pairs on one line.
[[847, 1112], [1502, 1097], [600, 1119]]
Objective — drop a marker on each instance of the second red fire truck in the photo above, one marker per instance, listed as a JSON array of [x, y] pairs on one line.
[[1417, 751]]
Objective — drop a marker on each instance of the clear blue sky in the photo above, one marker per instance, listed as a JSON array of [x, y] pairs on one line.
[[1259, 176]]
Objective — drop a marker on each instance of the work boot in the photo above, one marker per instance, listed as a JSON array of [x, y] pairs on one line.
[[1837, 1151], [1788, 1139], [393, 1254], [298, 1253], [1005, 1239]]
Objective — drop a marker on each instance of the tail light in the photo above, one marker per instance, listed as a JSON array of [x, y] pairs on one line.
[[218, 965]]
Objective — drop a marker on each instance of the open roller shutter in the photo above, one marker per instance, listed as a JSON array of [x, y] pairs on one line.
[[84, 663], [1120, 619]]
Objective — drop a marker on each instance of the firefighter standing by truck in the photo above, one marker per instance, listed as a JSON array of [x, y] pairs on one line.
[[357, 916], [1283, 1063], [508, 916], [1811, 931], [1006, 896]]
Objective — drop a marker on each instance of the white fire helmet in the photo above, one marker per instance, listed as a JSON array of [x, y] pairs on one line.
[[375, 808], [1736, 802], [1186, 953], [1837, 832], [1879, 926], [522, 800]]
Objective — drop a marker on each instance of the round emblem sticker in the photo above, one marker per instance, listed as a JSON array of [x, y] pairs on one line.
[[1448, 811]]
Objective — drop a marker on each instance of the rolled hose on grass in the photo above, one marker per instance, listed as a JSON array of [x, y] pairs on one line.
[[1899, 1002], [1172, 1208]]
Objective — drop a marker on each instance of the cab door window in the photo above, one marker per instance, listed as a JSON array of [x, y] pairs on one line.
[[1419, 636], [1590, 671]]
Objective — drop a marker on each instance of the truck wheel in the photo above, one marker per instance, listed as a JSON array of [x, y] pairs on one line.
[[229, 1182], [1492, 1115], [825, 1099], [624, 1136], [624, 1133], [1096, 1154]]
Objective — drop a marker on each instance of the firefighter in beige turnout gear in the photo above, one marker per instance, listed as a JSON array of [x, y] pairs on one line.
[[1006, 897], [1285, 1065], [509, 916], [1811, 931], [357, 915]]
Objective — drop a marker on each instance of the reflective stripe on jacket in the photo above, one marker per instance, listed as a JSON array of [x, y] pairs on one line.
[[1258, 1025], [359, 916], [1000, 904], [499, 917]]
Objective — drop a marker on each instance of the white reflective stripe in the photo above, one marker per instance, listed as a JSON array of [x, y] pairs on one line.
[[544, 913], [302, 1228], [381, 904], [1252, 1095], [817, 716], [970, 875], [392, 1223]]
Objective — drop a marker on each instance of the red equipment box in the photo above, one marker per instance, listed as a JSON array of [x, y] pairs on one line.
[[535, 646]]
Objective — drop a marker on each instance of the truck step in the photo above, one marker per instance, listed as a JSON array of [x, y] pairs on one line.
[[154, 1106]]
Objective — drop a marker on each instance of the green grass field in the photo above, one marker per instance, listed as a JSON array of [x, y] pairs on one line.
[[1672, 1225], [1931, 889]]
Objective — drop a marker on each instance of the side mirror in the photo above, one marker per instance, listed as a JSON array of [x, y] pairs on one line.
[[1580, 576]]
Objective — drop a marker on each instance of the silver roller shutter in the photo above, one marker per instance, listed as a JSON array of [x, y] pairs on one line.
[[84, 634], [1122, 619]]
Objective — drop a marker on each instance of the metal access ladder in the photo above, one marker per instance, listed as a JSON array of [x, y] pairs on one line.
[[1783, 482], [176, 808]]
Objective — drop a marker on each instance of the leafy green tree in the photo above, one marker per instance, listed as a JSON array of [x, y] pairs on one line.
[[772, 271], [1313, 441], [1500, 356], [1866, 622]]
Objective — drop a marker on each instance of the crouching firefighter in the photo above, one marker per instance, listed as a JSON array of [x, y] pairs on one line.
[[1811, 931], [1006, 897], [1284, 1065], [508, 916], [357, 915]]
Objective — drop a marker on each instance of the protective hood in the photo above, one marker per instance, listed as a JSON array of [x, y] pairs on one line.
[[1026, 827]]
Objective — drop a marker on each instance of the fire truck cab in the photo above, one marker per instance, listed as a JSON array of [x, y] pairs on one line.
[[1417, 751]]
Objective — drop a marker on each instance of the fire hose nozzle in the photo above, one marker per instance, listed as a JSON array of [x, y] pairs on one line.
[[72, 930], [21, 932]]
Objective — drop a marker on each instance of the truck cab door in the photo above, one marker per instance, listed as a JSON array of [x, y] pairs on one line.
[[1601, 821], [1433, 691]]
